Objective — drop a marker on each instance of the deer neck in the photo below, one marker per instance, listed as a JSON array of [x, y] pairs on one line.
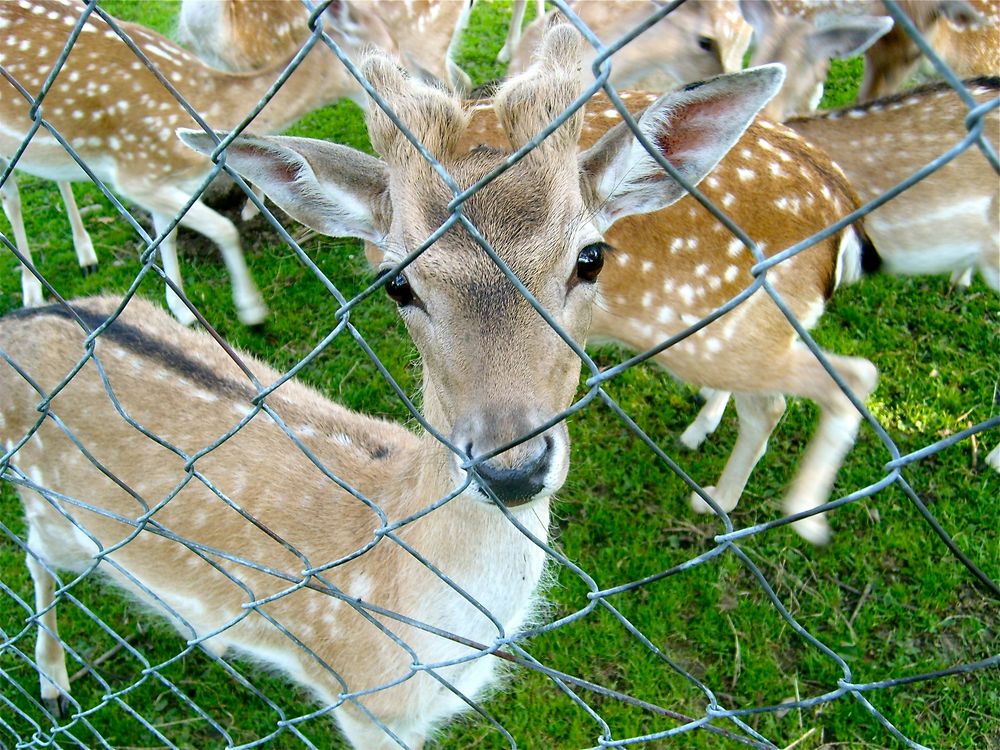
[[479, 533]]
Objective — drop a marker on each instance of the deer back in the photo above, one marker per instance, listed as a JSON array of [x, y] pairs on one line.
[[945, 222]]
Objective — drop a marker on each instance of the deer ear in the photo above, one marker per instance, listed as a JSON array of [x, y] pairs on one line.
[[960, 13], [841, 37], [692, 129], [333, 189]]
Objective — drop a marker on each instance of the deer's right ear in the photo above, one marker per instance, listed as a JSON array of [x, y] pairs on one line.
[[692, 129], [333, 189]]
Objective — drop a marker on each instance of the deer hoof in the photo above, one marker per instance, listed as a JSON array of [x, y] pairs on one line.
[[698, 505], [815, 529], [59, 706]]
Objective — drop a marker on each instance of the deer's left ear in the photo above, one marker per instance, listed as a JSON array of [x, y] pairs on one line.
[[692, 129], [333, 189]]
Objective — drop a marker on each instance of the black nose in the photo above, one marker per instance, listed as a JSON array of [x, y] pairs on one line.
[[516, 485]]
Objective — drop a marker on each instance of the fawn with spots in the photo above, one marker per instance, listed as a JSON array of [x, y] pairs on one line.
[[248, 35], [950, 220], [120, 120], [496, 378], [965, 33], [945, 223]]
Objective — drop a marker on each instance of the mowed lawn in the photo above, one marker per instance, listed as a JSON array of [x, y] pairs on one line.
[[885, 595]]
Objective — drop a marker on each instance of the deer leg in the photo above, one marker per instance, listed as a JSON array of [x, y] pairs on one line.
[[82, 243], [993, 459], [167, 202], [249, 209], [168, 257], [458, 77], [962, 279], [513, 40], [759, 414], [834, 437], [31, 287], [50, 658], [708, 418]]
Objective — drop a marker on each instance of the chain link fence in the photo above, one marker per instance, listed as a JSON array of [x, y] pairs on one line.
[[135, 684]]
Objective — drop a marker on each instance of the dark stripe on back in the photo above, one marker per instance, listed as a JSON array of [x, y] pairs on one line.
[[173, 358], [134, 340]]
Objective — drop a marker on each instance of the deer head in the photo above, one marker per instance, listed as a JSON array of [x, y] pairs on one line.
[[543, 218]]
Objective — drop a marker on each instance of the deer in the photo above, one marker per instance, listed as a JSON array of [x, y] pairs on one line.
[[245, 35], [693, 41], [363, 628], [807, 47], [120, 119], [966, 31], [969, 49], [879, 144]]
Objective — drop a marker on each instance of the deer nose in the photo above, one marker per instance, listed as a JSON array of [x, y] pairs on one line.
[[516, 485]]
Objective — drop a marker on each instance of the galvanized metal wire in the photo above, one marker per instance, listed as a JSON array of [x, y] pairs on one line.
[[26, 722]]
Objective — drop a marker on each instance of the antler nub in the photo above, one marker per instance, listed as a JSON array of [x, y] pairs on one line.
[[532, 100], [434, 117]]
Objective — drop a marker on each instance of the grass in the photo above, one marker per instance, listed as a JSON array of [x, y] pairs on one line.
[[885, 595]]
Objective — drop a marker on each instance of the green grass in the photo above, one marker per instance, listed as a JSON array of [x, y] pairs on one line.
[[885, 595]]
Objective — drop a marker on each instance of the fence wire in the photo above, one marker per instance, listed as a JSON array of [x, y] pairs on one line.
[[163, 689]]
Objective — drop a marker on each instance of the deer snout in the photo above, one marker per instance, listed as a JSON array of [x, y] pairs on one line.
[[528, 471]]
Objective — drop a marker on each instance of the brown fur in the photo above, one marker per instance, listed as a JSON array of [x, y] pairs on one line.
[[947, 222], [673, 267]]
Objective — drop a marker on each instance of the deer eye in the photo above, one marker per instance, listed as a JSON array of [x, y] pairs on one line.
[[706, 43], [590, 261], [400, 291]]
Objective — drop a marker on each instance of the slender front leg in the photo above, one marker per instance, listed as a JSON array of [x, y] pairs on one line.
[[82, 243], [759, 414], [708, 418], [31, 287], [50, 658], [168, 257], [513, 40]]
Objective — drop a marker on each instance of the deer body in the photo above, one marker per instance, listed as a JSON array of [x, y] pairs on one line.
[[496, 379], [384, 462], [947, 222], [121, 121], [246, 35]]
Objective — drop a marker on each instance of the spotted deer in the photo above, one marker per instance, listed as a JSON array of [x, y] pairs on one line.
[[970, 49], [244, 35], [669, 270], [695, 40], [120, 120], [963, 30], [807, 47], [946, 223], [496, 377]]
